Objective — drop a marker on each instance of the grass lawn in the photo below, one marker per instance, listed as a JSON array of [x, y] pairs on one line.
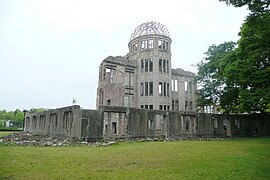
[[229, 159]]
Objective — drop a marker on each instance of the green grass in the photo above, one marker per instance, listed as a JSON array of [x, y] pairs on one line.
[[230, 159]]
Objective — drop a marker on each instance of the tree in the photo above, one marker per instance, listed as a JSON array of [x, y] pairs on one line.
[[36, 110], [210, 76], [253, 54], [17, 116], [238, 80], [255, 6]]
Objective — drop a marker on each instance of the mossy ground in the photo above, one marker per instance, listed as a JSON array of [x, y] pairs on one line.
[[247, 158]]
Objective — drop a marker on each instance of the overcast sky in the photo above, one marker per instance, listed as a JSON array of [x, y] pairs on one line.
[[50, 50]]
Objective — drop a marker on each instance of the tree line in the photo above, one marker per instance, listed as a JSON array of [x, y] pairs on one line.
[[16, 117], [235, 76]]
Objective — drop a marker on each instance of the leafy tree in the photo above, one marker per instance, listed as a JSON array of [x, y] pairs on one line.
[[35, 110], [210, 76], [255, 6], [254, 63], [17, 116], [239, 79]]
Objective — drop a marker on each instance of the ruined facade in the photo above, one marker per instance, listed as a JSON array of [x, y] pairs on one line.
[[140, 96], [144, 77], [122, 122]]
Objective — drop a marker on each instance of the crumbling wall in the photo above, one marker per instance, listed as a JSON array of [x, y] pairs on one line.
[[210, 125], [61, 122], [92, 124], [182, 124], [111, 122]]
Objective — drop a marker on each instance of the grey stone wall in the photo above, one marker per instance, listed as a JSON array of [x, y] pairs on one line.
[[71, 122], [55, 122], [112, 122]]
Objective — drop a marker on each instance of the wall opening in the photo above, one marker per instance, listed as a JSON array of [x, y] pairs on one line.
[[168, 89], [142, 65], [142, 88], [150, 124], [160, 65], [176, 85], [114, 127], [150, 88], [237, 123], [146, 65], [108, 102], [160, 88], [151, 65], [146, 89], [164, 65], [164, 89], [187, 126]]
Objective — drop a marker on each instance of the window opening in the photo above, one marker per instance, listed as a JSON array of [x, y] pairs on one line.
[[108, 70], [164, 65], [135, 47], [187, 125], [142, 88], [186, 86], [160, 65], [151, 89], [159, 44], [160, 88], [108, 102], [190, 87], [237, 123], [168, 66], [163, 45], [176, 105], [150, 43], [142, 65], [215, 122], [164, 91], [114, 128], [146, 89], [190, 106], [168, 89], [151, 65], [143, 45], [176, 85], [150, 124], [146, 65]]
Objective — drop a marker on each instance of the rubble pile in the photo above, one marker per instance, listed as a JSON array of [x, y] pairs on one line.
[[29, 139]]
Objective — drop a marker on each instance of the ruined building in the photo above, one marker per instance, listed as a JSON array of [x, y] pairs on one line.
[[139, 95], [144, 77]]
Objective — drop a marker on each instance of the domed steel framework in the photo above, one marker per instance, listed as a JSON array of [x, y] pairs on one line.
[[150, 28]]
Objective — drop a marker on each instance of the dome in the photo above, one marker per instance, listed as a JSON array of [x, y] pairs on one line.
[[150, 28]]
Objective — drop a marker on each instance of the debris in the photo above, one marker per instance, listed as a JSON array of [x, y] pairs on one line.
[[29, 139]]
